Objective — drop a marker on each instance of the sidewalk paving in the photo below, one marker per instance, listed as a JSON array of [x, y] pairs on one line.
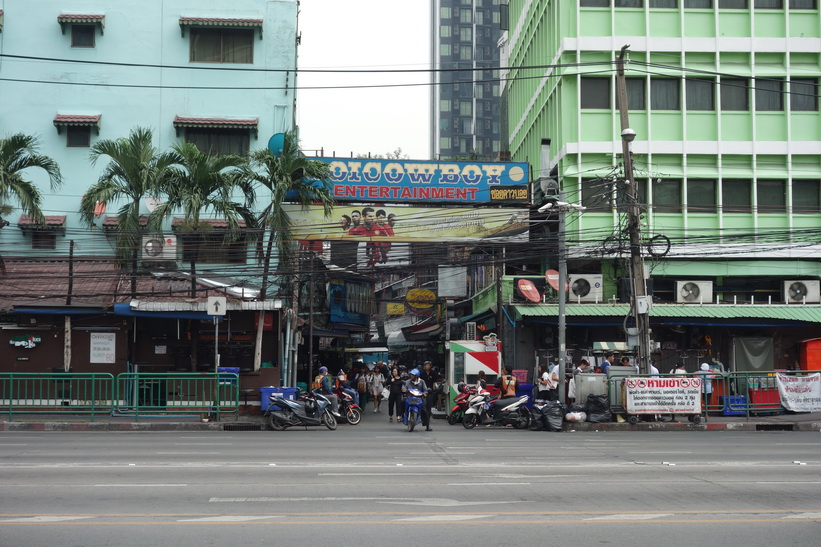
[[250, 422]]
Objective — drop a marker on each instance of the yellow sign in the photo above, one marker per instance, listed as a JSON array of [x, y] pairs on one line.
[[421, 298], [395, 309]]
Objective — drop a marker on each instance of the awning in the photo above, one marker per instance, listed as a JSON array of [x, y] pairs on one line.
[[678, 314], [66, 19], [610, 346], [478, 317], [396, 340], [59, 310], [75, 120], [52, 223], [219, 22], [251, 124], [124, 308]]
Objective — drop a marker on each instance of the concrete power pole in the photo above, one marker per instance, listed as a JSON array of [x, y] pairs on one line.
[[640, 303]]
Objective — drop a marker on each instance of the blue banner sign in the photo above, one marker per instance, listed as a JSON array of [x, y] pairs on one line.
[[366, 180]]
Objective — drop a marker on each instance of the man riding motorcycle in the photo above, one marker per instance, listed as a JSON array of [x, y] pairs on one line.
[[414, 382], [327, 390]]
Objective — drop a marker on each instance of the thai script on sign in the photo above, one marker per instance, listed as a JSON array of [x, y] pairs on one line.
[[800, 393], [663, 395]]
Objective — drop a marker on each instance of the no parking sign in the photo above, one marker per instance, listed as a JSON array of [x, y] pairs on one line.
[[663, 395]]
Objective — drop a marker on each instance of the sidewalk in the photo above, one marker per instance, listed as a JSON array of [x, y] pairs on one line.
[[255, 422]]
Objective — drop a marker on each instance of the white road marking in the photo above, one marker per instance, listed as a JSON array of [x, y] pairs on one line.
[[198, 452], [129, 485], [490, 483], [230, 518], [442, 518], [44, 518], [647, 516], [812, 516], [440, 502]]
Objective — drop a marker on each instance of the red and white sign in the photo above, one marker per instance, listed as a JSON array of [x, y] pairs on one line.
[[663, 395], [800, 393]]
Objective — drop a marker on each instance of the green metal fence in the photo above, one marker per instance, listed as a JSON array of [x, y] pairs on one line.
[[129, 394], [57, 392]]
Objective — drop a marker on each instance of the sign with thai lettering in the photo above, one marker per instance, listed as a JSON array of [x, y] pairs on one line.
[[26, 341], [663, 395], [103, 345], [425, 181], [385, 225], [800, 393]]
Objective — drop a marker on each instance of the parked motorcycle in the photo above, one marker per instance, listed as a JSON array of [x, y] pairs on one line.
[[349, 411], [457, 413], [414, 404], [312, 408], [484, 409]]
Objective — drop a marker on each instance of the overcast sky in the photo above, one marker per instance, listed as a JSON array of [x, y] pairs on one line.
[[364, 34]]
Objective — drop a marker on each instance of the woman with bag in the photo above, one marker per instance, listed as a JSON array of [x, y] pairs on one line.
[[549, 383], [377, 384], [395, 402]]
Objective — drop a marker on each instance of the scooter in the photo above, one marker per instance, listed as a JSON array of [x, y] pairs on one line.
[[414, 404], [486, 410], [457, 413], [349, 411], [310, 409]]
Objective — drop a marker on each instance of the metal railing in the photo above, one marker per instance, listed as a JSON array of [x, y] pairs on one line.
[[129, 394]]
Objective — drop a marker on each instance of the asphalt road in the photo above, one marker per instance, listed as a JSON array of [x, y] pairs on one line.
[[376, 484]]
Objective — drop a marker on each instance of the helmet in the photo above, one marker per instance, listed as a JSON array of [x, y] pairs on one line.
[[323, 370], [414, 372]]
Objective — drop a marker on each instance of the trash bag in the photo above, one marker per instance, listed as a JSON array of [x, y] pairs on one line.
[[537, 422], [575, 417], [577, 407], [554, 416], [598, 409]]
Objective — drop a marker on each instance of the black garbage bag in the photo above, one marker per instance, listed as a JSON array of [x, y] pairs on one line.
[[577, 407], [598, 409], [537, 422], [555, 416]]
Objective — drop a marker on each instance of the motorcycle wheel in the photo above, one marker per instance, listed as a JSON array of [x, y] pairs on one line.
[[454, 417], [353, 416], [275, 424], [411, 420], [470, 421], [524, 420], [329, 420]]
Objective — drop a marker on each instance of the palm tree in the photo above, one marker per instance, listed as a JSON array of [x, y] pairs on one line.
[[201, 183], [135, 170], [291, 177], [17, 154]]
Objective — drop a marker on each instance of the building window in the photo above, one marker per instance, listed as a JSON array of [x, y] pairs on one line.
[[803, 4], [444, 31], [45, 240], [667, 195], [213, 247], [701, 195], [806, 197], [444, 12], [769, 4], [222, 45], [635, 94], [78, 136], [83, 35], [465, 108], [220, 142], [700, 94], [736, 196], [466, 15], [772, 196], [594, 3], [466, 34], [769, 94], [595, 92], [629, 3], [804, 94], [698, 4], [596, 194], [734, 94], [732, 4], [663, 3], [465, 53], [665, 94], [444, 50]]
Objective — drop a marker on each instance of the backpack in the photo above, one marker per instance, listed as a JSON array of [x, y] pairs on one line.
[[317, 382], [361, 384]]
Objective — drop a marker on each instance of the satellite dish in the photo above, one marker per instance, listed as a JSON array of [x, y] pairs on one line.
[[690, 292], [552, 277], [276, 143]]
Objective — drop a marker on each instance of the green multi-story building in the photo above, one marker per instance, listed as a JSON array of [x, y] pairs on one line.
[[723, 98]]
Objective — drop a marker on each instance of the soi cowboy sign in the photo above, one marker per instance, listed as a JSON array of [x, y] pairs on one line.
[[663, 395], [407, 180]]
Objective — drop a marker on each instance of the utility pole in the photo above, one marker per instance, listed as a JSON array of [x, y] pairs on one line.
[[640, 303]]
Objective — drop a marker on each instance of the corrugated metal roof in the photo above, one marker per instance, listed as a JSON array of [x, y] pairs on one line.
[[798, 312]]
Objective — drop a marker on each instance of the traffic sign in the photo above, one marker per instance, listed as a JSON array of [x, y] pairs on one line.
[[217, 305]]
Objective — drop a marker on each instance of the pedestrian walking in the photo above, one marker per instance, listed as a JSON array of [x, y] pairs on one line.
[[395, 404]]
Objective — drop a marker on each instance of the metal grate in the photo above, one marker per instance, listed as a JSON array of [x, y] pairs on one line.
[[242, 427], [773, 427]]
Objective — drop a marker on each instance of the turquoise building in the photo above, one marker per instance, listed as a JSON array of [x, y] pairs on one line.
[[723, 98]]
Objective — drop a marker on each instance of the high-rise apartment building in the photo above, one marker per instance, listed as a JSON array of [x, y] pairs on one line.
[[465, 100]]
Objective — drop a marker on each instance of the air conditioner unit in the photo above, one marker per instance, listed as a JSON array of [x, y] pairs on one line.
[[799, 291], [159, 248], [586, 288], [694, 292]]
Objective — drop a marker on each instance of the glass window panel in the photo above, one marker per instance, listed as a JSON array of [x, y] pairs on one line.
[[466, 34], [804, 94], [732, 4], [734, 94], [736, 196], [220, 142], [445, 31], [594, 3], [444, 50], [629, 3], [663, 3], [772, 196], [82, 35], [698, 4], [444, 105], [222, 45], [769, 95], [665, 94], [806, 197], [769, 4], [700, 94], [444, 12], [465, 108], [667, 195], [78, 136], [596, 194], [465, 53], [803, 4], [635, 94], [465, 15], [701, 195], [595, 92]]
